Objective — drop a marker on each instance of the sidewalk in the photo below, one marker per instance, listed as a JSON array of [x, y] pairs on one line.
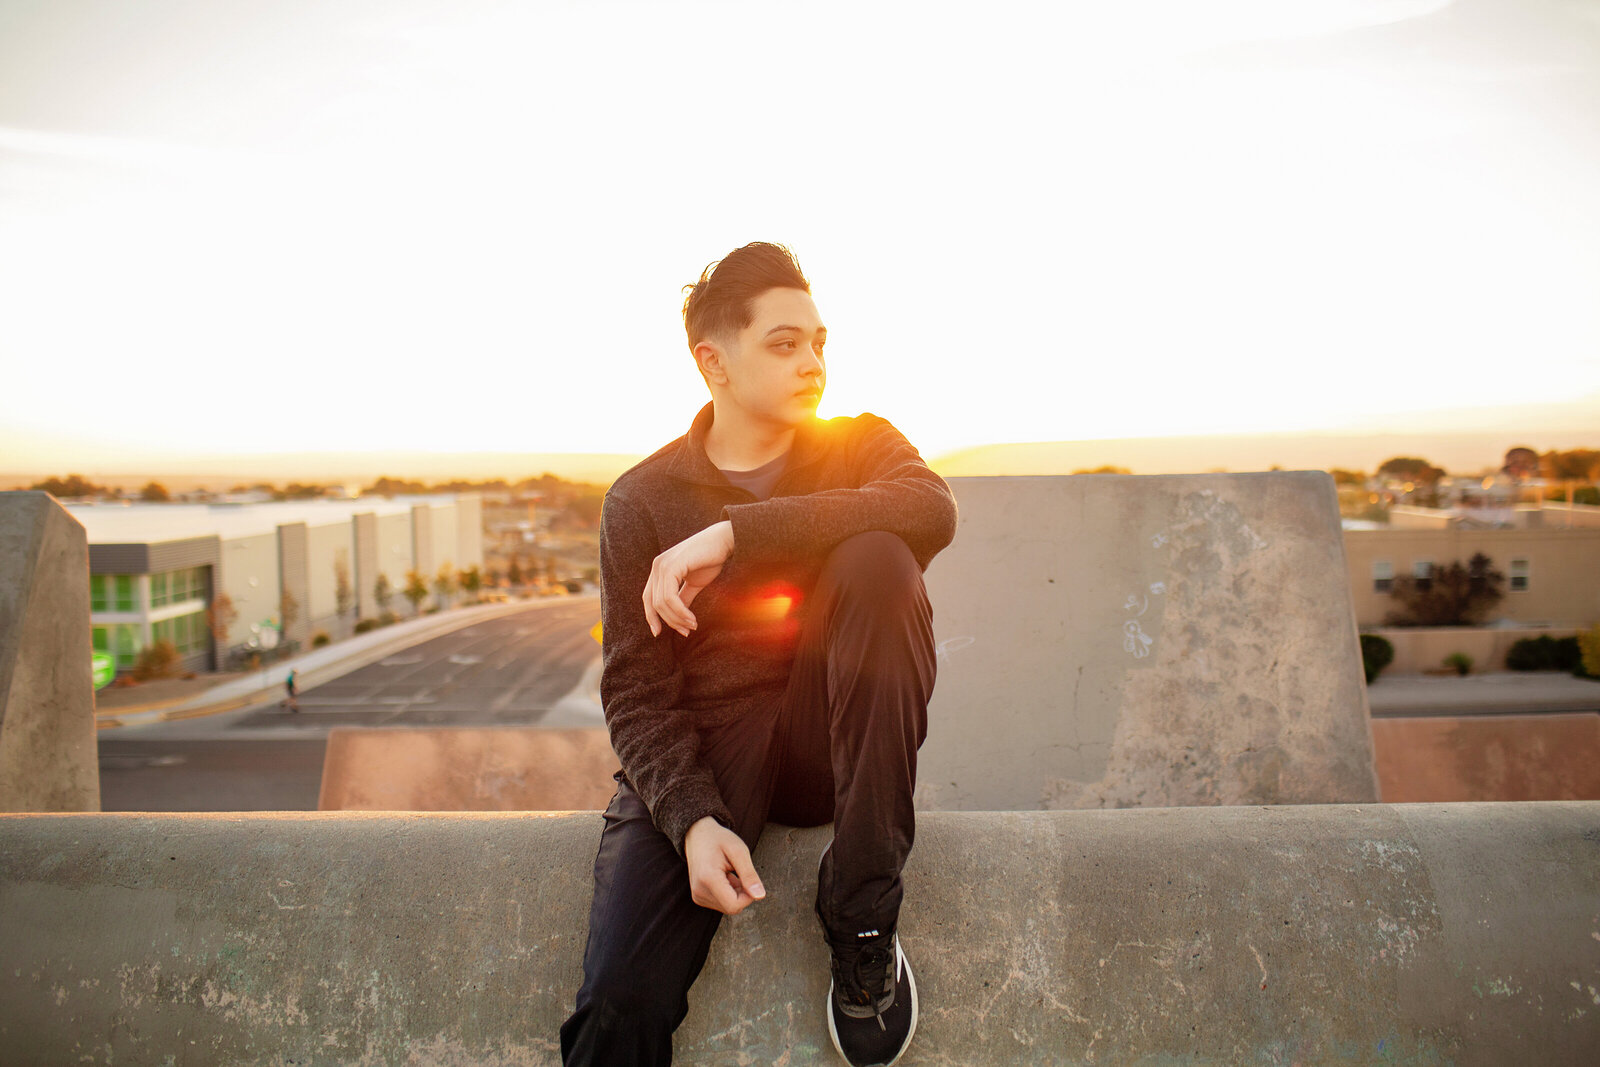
[[1492, 693], [319, 665]]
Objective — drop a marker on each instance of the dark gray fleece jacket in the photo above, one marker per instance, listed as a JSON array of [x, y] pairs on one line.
[[845, 476]]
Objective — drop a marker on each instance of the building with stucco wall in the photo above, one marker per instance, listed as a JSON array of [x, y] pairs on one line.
[[155, 569]]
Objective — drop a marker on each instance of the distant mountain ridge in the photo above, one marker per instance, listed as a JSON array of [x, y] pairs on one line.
[[1458, 453]]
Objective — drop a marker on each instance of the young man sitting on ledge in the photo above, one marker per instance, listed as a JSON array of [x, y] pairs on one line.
[[768, 655]]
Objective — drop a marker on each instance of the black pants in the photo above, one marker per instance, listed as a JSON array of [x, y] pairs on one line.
[[840, 745]]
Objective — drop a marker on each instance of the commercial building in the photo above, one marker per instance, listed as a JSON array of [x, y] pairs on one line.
[[155, 569]]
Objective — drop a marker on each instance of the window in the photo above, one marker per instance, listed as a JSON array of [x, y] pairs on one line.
[[1382, 576], [102, 640], [97, 592], [124, 586], [1519, 575], [187, 633], [180, 586], [1422, 574], [158, 590], [127, 642]]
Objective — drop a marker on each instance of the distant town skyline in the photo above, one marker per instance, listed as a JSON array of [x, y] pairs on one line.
[[1457, 453], [351, 228]]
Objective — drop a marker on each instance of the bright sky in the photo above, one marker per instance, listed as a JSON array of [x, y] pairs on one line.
[[463, 226]]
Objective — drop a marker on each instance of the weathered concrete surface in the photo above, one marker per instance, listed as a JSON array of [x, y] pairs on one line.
[[1419, 934], [1488, 757], [463, 769], [1119, 641], [47, 734]]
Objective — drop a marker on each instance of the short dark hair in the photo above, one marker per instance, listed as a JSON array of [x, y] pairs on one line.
[[718, 305]]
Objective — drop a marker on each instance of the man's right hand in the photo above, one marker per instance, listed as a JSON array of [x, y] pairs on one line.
[[721, 876]]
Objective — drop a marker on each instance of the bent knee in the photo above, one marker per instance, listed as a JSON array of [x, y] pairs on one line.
[[876, 553]]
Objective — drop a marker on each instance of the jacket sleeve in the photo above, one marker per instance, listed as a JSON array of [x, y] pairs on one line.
[[897, 493], [641, 683]]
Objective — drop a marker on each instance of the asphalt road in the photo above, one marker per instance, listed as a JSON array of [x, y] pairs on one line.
[[536, 668]]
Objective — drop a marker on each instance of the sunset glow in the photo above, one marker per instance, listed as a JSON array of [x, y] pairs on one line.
[[358, 226]]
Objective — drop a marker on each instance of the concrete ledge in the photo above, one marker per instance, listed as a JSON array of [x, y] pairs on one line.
[[1424, 934]]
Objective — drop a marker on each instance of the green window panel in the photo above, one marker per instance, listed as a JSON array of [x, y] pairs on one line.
[[102, 640], [127, 640], [97, 592], [158, 590], [124, 586]]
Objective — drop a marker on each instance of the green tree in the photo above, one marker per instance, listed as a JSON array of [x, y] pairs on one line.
[[381, 592], [393, 487], [1412, 469], [514, 572], [343, 597], [155, 493], [73, 485], [1452, 596], [220, 617], [470, 580], [1344, 477], [288, 612], [1578, 465], [416, 589], [444, 584]]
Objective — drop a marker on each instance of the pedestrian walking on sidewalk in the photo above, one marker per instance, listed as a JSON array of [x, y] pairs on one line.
[[292, 700]]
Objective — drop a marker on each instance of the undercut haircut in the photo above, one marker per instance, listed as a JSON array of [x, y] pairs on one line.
[[719, 304]]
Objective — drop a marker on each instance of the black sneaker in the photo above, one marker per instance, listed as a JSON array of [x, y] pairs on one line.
[[872, 1001]]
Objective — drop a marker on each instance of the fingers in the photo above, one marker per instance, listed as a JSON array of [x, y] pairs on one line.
[[744, 870], [663, 604], [729, 883]]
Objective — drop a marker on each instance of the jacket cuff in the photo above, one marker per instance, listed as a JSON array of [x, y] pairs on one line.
[[678, 811]]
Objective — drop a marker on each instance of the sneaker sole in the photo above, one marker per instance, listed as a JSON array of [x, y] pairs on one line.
[[911, 1032]]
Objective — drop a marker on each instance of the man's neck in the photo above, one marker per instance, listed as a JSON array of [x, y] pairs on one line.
[[737, 442]]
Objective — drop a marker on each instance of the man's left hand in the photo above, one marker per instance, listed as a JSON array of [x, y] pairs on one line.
[[679, 573]]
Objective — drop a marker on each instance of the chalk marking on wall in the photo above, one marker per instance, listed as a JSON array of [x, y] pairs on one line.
[[952, 644], [1135, 640]]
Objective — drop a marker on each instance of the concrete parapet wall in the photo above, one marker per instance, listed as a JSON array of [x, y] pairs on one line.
[[1422, 934], [48, 752], [1112, 641]]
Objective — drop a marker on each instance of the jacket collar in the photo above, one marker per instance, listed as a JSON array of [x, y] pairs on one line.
[[691, 464]]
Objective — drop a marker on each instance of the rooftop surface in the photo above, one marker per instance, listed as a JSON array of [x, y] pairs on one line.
[[151, 523]]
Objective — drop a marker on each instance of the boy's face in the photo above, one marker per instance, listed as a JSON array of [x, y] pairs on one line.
[[774, 368]]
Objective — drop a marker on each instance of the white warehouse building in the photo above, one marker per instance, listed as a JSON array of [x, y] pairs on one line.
[[154, 569]]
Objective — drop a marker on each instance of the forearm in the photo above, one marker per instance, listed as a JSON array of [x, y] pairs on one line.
[[897, 493]]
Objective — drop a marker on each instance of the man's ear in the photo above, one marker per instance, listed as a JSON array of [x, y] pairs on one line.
[[710, 357]]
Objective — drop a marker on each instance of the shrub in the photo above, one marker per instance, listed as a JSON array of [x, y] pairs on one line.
[[159, 660], [367, 624], [1531, 654], [1460, 661], [1544, 653], [320, 638], [1376, 654], [388, 618], [1589, 665]]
